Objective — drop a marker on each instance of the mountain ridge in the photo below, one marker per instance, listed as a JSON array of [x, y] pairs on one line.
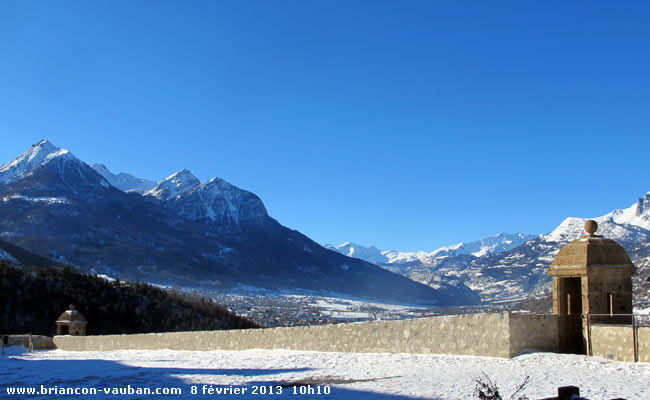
[[520, 273], [65, 210], [123, 181], [487, 245]]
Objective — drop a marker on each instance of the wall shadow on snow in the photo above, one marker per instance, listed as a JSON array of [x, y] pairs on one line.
[[101, 373]]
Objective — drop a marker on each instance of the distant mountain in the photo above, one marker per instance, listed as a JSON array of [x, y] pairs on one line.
[[626, 225], [182, 231], [124, 182], [370, 254], [488, 245], [521, 272], [509, 268]]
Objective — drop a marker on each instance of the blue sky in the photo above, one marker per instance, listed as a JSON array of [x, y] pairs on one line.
[[404, 124]]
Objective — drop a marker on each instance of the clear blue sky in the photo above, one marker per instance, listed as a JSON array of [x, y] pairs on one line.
[[404, 124]]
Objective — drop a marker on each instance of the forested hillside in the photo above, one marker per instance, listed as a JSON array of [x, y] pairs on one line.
[[31, 300]]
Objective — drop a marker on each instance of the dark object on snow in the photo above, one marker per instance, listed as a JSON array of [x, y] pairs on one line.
[[569, 393]]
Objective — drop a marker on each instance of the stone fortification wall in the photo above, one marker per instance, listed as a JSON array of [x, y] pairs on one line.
[[616, 342], [39, 342], [533, 332], [499, 335], [643, 338]]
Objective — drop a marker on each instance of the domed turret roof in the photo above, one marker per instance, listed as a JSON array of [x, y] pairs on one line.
[[71, 315], [592, 250]]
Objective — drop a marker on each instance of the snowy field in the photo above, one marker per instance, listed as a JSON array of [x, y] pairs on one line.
[[344, 375]]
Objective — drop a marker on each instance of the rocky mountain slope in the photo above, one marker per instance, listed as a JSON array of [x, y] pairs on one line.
[[502, 274], [184, 232], [213, 201]]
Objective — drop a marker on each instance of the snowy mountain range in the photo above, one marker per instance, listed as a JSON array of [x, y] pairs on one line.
[[180, 231], [214, 234], [488, 245], [184, 193], [512, 267]]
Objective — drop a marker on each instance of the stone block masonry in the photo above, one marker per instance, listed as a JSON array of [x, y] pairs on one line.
[[616, 342], [533, 332], [495, 334]]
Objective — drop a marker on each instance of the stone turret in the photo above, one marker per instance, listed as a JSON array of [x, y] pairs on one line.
[[71, 322], [591, 275]]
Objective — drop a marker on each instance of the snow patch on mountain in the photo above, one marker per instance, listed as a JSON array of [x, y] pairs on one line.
[[174, 185], [46, 200], [8, 257], [125, 182]]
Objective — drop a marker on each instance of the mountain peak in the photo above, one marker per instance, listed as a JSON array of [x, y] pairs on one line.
[[40, 153], [368, 253], [46, 144], [218, 200], [184, 171], [174, 185], [184, 175], [618, 224]]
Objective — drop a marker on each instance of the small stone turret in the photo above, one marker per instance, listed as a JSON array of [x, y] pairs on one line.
[[71, 322], [591, 275]]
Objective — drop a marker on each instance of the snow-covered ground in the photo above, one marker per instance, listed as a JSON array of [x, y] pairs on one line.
[[349, 375]]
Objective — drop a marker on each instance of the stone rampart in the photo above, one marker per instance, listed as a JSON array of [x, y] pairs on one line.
[[616, 342], [533, 332], [497, 334], [643, 343], [39, 342]]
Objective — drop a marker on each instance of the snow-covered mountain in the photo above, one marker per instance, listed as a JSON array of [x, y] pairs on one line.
[[42, 153], [370, 254], [624, 225], [214, 233], [488, 245], [214, 200], [521, 272], [124, 182], [174, 185], [184, 232], [507, 268]]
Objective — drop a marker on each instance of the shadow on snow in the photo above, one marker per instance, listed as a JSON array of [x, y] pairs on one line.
[[106, 374]]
